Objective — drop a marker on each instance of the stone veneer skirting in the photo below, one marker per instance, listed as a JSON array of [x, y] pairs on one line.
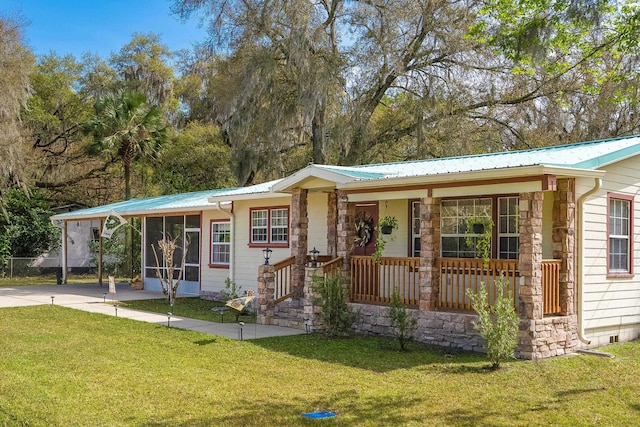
[[548, 337], [446, 329], [537, 339]]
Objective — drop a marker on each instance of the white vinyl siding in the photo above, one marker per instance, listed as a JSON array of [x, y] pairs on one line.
[[611, 305], [246, 259]]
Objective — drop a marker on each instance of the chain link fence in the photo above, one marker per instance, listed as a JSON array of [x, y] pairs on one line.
[[40, 267]]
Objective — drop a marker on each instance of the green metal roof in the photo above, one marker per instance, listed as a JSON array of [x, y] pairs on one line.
[[586, 156], [171, 203]]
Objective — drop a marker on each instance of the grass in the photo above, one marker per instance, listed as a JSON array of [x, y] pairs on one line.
[[191, 307], [61, 367]]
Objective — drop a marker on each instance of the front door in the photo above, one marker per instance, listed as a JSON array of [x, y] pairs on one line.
[[366, 220], [366, 278]]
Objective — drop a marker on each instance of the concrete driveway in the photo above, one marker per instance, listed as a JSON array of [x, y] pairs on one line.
[[96, 299]]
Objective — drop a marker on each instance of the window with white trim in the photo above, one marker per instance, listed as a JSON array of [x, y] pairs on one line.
[[619, 234], [220, 242], [508, 228], [279, 225], [270, 226], [415, 228], [454, 215]]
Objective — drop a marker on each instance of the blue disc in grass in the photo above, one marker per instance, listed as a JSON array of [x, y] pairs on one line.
[[319, 414]]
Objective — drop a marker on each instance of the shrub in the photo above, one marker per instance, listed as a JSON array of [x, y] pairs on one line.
[[332, 296], [498, 323], [404, 324], [230, 291]]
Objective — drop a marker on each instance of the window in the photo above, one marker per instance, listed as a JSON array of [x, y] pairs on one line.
[[220, 243], [415, 228], [270, 226], [508, 228], [619, 234], [259, 226], [279, 225], [187, 231], [453, 224]]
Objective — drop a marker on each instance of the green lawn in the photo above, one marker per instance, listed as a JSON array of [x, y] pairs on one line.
[[192, 307], [62, 367]]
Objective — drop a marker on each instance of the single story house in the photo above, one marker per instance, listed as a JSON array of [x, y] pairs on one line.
[[563, 231]]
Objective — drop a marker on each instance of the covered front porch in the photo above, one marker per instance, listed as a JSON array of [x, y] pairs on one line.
[[532, 246]]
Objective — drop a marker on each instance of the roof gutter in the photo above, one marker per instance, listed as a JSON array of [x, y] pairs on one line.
[[579, 257], [128, 214], [232, 217]]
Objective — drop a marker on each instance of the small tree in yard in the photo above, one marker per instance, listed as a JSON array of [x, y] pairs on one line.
[[332, 296], [168, 247], [401, 320], [498, 323]]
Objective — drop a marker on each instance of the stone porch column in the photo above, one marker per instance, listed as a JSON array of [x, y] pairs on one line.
[[332, 224], [299, 234], [429, 252], [266, 294], [311, 311], [530, 266], [346, 233], [564, 210]]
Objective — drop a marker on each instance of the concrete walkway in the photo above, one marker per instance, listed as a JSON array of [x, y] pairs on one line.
[[96, 299]]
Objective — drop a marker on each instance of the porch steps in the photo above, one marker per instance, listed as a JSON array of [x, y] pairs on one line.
[[288, 322], [289, 316]]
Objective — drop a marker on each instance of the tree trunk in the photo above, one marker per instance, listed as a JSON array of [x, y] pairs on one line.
[[318, 135]]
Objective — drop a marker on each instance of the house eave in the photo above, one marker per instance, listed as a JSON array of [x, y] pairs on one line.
[[128, 214], [311, 172], [464, 178], [248, 196]]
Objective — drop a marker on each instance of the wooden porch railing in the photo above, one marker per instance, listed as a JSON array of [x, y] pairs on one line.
[[459, 274], [551, 286], [284, 274], [332, 268], [375, 282]]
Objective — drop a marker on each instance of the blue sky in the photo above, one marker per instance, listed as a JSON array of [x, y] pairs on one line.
[[98, 26]]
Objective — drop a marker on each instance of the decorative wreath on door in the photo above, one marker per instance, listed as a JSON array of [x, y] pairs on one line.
[[364, 228]]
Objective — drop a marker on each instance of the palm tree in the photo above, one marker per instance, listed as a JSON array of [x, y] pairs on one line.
[[126, 127]]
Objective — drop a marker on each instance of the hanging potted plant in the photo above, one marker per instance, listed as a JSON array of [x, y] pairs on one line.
[[478, 236], [388, 224]]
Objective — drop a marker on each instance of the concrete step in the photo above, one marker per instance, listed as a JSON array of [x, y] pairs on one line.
[[288, 322]]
